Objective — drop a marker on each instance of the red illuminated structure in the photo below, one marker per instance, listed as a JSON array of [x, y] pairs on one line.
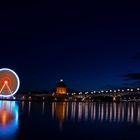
[[9, 82]]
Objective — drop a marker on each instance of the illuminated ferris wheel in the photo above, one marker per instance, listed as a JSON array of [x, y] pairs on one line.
[[9, 82]]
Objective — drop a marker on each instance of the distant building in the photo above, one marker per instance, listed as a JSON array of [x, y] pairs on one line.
[[61, 88]]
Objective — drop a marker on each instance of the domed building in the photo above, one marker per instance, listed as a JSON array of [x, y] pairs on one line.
[[61, 88]]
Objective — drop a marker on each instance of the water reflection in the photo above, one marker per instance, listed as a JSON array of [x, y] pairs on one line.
[[29, 108], [99, 112], [8, 119], [59, 112]]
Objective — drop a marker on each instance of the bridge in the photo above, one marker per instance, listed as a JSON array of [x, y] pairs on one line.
[[111, 95], [115, 95]]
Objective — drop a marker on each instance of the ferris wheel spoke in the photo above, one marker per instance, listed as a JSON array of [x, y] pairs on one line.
[[2, 88], [9, 88]]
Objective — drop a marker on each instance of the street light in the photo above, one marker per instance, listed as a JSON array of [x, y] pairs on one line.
[[132, 90], [128, 89]]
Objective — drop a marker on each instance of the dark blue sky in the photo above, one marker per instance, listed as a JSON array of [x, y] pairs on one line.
[[92, 46]]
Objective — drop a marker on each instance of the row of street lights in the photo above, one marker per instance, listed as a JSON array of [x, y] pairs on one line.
[[107, 91]]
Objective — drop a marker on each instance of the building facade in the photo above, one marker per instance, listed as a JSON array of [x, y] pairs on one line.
[[61, 88]]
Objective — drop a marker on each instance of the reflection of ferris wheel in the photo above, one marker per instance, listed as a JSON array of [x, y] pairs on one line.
[[9, 82]]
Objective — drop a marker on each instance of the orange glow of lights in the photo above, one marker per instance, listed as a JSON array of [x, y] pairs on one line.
[[61, 90], [5, 117]]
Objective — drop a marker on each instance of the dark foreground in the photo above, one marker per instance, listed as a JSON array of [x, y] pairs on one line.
[[69, 120]]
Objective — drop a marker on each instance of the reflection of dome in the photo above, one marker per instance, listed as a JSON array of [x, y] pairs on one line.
[[60, 111], [61, 88]]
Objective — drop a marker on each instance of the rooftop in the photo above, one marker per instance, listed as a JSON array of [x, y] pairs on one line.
[[61, 83]]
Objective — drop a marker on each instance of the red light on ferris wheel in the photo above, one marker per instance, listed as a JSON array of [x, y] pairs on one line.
[[5, 82]]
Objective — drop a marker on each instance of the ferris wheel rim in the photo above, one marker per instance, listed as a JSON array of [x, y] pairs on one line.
[[17, 78]]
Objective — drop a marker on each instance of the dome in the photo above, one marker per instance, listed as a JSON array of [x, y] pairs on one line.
[[61, 83]]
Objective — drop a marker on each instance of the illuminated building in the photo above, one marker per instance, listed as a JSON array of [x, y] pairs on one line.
[[61, 88]]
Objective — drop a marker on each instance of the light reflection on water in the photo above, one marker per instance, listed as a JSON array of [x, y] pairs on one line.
[[98, 112], [61, 116], [8, 119]]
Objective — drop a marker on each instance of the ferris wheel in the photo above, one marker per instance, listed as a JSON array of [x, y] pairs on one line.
[[9, 82]]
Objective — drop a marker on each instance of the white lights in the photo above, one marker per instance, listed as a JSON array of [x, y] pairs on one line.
[[14, 98], [114, 98], [131, 90], [73, 93], [29, 97]]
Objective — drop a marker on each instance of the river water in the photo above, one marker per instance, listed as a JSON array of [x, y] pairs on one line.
[[69, 120]]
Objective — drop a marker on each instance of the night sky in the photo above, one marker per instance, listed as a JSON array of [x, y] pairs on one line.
[[92, 46]]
